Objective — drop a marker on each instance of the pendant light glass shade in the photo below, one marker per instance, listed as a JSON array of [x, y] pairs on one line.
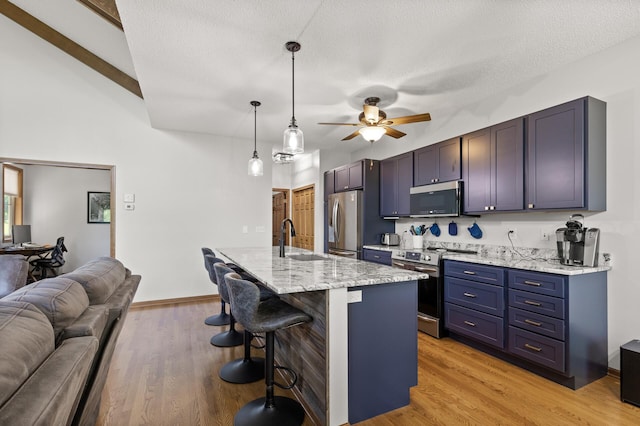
[[372, 133], [293, 137], [256, 167]]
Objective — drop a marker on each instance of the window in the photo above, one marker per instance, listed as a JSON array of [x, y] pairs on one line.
[[11, 199]]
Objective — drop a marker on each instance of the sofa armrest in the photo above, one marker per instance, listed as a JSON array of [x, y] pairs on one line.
[[51, 394], [92, 322]]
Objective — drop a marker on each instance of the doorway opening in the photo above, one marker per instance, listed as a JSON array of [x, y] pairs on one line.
[[303, 212], [279, 211]]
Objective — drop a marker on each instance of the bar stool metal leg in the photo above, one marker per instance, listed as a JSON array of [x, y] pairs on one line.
[[228, 338], [220, 319], [270, 410]]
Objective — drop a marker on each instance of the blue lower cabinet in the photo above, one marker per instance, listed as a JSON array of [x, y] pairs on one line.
[[383, 348], [542, 350], [483, 327], [553, 325]]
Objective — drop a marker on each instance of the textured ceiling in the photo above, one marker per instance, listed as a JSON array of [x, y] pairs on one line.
[[200, 62]]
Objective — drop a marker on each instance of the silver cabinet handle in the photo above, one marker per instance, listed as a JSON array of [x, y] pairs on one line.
[[471, 295], [533, 283], [486, 208], [469, 323], [537, 324], [469, 272], [530, 205], [533, 348], [532, 303]]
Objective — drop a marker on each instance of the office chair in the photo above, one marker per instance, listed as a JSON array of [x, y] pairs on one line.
[[52, 263]]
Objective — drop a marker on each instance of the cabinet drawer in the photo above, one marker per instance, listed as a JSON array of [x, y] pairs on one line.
[[477, 325], [539, 349], [377, 256], [483, 297], [536, 282], [471, 271], [542, 324], [537, 303]]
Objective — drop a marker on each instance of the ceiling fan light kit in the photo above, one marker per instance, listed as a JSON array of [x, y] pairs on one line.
[[256, 167], [282, 158], [293, 136], [372, 133]]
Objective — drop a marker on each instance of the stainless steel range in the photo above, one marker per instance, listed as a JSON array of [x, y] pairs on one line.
[[431, 290]]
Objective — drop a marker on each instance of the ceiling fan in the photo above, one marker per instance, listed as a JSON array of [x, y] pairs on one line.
[[374, 123]]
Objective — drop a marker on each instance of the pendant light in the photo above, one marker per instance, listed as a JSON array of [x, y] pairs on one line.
[[293, 138], [255, 163]]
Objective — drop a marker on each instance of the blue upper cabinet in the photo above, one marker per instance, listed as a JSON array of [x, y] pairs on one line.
[[493, 168], [439, 162], [396, 179], [566, 157], [348, 177]]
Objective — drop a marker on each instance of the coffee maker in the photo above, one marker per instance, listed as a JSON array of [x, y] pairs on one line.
[[578, 245]]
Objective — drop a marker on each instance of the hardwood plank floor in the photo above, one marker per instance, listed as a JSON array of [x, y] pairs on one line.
[[165, 372]]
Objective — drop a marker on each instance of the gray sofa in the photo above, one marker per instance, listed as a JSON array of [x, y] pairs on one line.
[[57, 338]]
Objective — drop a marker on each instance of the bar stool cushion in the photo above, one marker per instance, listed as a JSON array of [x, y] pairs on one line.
[[260, 316], [222, 269]]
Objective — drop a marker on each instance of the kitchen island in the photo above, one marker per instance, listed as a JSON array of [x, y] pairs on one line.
[[358, 357]]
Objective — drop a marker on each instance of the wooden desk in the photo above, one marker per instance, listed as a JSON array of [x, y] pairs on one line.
[[27, 251]]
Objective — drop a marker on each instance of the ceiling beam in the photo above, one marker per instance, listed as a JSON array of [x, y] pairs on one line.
[[105, 8], [68, 46]]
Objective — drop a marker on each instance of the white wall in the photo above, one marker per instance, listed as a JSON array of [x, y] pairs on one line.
[[55, 205], [191, 190], [612, 76]]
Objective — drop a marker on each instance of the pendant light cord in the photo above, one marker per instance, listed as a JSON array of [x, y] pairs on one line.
[[255, 132], [293, 89]]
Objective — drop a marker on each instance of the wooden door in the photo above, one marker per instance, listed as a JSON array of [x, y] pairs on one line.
[[303, 217], [278, 214]]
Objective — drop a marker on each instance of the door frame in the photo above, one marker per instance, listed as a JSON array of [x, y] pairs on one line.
[[287, 208], [112, 189]]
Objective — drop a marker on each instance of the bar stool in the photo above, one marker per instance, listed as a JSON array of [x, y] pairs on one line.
[[266, 316], [222, 318], [231, 337], [245, 369]]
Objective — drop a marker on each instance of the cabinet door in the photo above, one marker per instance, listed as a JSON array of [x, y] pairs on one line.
[[556, 157], [425, 164], [355, 175], [476, 171], [342, 178], [405, 182], [388, 187], [507, 186], [448, 160]]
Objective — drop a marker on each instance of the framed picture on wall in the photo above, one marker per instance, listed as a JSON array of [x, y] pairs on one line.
[[98, 207]]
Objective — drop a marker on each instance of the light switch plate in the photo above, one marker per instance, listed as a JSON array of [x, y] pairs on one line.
[[354, 296], [129, 198], [129, 206]]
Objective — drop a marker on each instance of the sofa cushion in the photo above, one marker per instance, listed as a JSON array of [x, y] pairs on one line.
[[13, 273], [60, 299], [99, 277], [26, 340]]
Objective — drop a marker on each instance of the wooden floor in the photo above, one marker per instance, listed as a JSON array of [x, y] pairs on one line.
[[164, 372]]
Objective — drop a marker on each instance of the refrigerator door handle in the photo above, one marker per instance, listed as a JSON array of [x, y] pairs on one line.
[[336, 224]]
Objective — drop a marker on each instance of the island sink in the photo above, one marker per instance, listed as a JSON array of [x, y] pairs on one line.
[[306, 257]]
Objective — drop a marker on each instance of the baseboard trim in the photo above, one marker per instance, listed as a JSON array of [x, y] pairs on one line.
[[180, 300], [614, 373]]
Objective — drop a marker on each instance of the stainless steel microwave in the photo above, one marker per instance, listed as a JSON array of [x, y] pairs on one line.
[[436, 200]]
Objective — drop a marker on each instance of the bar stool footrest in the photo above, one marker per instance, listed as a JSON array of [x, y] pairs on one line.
[[291, 373]]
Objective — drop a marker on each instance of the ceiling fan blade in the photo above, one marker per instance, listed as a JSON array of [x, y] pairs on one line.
[[351, 136], [342, 124], [394, 133], [410, 119]]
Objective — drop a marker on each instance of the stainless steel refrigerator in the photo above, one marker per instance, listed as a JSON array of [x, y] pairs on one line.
[[344, 224]]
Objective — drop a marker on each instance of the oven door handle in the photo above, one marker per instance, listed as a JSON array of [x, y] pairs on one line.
[[432, 271]]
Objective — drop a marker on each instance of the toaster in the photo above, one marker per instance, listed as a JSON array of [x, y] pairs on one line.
[[390, 239]]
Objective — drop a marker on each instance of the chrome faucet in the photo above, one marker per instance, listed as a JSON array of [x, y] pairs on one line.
[[282, 235]]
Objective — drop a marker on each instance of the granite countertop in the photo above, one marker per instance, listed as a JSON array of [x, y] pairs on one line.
[[287, 275], [522, 258]]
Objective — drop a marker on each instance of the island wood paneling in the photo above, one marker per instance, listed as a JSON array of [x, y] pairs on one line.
[[303, 348]]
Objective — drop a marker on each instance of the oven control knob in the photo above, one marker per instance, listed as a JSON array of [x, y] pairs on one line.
[[427, 257]]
